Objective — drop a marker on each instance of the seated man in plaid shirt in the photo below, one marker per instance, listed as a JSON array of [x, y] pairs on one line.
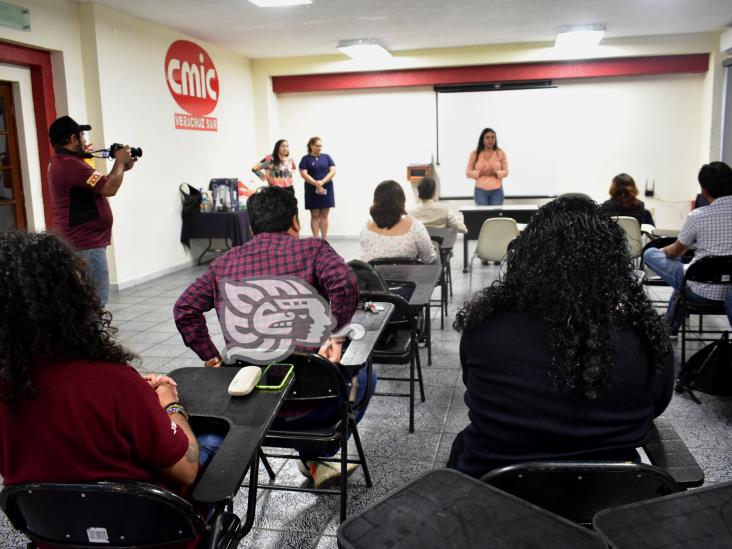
[[709, 230], [276, 251]]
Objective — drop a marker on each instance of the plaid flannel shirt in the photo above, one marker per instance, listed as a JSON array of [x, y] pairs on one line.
[[267, 254]]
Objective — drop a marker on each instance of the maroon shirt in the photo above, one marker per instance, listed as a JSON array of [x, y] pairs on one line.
[[90, 421], [80, 214], [267, 254]]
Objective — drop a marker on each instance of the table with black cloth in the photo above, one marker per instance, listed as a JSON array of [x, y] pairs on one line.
[[700, 518], [233, 227], [474, 217], [425, 278], [204, 393], [445, 509]]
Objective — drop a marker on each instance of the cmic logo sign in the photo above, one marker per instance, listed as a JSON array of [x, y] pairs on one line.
[[194, 84]]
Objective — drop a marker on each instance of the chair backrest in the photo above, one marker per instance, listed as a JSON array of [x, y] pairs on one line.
[[578, 490], [368, 277], [120, 514], [316, 379], [495, 236], [632, 234], [712, 269]]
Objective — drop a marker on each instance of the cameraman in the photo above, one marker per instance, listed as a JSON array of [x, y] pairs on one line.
[[81, 212]]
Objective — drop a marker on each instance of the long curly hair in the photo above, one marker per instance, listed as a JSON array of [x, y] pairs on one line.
[[571, 267], [49, 311]]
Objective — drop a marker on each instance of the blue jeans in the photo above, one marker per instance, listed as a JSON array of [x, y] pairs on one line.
[[488, 198], [208, 445], [98, 271], [672, 272]]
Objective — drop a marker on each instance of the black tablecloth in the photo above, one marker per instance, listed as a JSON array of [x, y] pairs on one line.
[[231, 225]]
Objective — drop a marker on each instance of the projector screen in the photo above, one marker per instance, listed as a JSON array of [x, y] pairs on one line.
[[525, 122]]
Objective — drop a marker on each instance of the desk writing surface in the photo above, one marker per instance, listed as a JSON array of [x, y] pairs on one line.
[[694, 519], [359, 351], [447, 236], [203, 392], [445, 509], [424, 276]]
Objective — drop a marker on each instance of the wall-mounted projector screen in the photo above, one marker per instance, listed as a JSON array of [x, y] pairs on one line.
[[525, 121]]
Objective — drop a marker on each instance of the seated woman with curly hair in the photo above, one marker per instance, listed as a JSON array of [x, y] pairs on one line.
[[71, 409], [563, 357], [391, 232]]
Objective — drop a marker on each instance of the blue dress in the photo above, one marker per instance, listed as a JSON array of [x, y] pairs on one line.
[[318, 168]]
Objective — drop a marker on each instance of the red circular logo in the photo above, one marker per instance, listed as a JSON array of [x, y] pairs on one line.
[[192, 78]]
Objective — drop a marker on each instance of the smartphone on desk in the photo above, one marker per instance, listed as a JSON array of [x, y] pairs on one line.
[[275, 377]]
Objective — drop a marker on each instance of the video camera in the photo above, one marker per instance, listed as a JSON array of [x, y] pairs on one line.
[[136, 152]]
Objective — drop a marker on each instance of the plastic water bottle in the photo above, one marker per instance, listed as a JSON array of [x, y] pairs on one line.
[[204, 201]]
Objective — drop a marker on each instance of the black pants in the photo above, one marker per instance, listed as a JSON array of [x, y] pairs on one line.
[[456, 451]]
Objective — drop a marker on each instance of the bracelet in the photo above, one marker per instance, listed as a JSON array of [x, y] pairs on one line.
[[176, 408]]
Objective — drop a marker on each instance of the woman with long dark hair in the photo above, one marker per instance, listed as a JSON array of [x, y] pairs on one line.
[[624, 200], [277, 168], [391, 232], [563, 357], [71, 409], [488, 166]]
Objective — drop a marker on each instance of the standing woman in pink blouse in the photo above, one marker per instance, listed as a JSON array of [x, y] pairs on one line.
[[488, 165]]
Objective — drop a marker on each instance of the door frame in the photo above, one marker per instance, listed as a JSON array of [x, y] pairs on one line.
[[44, 104]]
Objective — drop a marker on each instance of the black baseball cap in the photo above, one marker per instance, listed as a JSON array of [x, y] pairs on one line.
[[63, 127]]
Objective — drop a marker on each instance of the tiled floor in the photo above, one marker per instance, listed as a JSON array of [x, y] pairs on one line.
[[143, 315]]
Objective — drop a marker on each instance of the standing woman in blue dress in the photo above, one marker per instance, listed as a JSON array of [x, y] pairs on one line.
[[318, 170]]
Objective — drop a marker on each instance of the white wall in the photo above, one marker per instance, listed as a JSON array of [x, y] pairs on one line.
[[138, 109], [369, 134], [646, 126]]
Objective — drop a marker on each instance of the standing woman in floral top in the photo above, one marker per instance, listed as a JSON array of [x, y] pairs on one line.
[[277, 168], [488, 166], [318, 171]]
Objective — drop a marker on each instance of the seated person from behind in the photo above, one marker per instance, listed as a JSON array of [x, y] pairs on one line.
[[624, 200], [277, 251], [709, 230], [563, 357], [391, 232], [433, 213], [71, 409]]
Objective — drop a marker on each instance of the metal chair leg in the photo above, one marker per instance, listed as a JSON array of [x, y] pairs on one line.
[[419, 375], [344, 469], [267, 466], [411, 385], [361, 455]]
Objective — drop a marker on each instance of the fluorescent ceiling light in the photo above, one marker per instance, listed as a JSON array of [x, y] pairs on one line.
[[364, 49], [279, 3], [580, 36]]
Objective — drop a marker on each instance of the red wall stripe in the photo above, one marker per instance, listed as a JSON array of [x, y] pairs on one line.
[[511, 72], [44, 104]]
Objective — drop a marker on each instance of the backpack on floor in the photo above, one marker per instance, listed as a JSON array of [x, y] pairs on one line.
[[709, 370]]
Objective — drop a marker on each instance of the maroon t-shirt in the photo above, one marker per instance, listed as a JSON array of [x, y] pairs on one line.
[[80, 213], [90, 421]]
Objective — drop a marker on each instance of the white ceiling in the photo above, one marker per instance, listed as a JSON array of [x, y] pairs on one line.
[[315, 29]]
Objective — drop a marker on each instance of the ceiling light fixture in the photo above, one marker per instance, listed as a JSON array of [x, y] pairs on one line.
[[279, 3], [364, 49], [579, 36]]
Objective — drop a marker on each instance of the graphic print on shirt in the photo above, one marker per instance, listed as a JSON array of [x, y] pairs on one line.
[[263, 319]]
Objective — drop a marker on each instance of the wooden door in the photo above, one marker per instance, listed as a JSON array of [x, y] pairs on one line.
[[12, 204]]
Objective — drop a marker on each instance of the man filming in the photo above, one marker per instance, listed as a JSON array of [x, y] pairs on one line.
[[81, 212]]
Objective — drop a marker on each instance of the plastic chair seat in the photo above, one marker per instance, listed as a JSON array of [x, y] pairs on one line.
[[397, 348]]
